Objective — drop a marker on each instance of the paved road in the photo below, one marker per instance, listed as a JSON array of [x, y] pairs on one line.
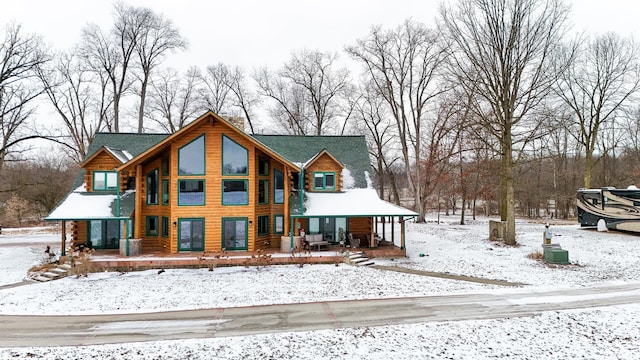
[[18, 331]]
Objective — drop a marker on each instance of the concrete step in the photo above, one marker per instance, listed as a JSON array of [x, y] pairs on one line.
[[366, 263], [59, 270], [65, 266], [50, 275], [41, 278]]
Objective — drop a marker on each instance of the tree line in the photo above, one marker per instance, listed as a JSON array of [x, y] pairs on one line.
[[499, 103]]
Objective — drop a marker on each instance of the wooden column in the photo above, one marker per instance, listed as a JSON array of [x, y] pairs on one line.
[[372, 240], [63, 239]]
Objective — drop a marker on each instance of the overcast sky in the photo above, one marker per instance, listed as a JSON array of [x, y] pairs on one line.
[[253, 33]]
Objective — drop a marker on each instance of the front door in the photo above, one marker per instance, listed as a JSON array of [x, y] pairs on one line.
[[191, 235], [234, 233]]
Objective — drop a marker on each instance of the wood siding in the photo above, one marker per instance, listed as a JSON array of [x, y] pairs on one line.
[[324, 163], [101, 162]]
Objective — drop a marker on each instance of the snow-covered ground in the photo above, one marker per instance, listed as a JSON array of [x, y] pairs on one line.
[[602, 333]]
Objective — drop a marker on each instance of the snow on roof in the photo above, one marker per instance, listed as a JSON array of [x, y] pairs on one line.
[[80, 204], [122, 155], [353, 202], [348, 182]]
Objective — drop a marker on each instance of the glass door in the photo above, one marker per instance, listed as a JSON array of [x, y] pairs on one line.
[[112, 234], [234, 233], [191, 235]]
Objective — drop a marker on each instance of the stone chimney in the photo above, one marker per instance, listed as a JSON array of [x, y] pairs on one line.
[[237, 121]]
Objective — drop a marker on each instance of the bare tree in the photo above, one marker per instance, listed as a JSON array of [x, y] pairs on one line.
[[600, 81], [403, 65], [215, 91], [20, 54], [157, 37], [173, 100], [372, 119], [72, 92], [309, 92], [244, 98], [110, 55], [503, 48]]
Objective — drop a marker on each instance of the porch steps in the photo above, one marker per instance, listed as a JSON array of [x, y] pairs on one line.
[[57, 272], [358, 259]]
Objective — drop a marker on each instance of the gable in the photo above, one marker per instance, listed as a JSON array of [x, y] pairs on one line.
[[350, 151]]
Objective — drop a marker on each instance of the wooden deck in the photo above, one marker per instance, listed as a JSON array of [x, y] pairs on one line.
[[110, 260]]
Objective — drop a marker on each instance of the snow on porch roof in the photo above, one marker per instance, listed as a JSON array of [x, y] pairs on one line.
[[82, 205], [352, 202]]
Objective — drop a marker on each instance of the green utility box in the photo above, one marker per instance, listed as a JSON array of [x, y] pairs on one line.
[[556, 256]]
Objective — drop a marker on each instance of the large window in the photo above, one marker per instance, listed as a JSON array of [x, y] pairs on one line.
[[105, 180], [263, 191], [234, 233], [235, 158], [191, 158], [152, 187], [324, 181], [278, 224], [235, 192], [152, 226], [190, 192], [165, 192], [278, 187], [191, 235]]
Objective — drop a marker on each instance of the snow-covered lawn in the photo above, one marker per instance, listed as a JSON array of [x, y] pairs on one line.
[[603, 333]]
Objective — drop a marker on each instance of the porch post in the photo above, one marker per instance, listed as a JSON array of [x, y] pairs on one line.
[[372, 239], [63, 237], [402, 233]]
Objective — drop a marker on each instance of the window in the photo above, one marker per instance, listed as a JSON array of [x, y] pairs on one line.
[[152, 226], [235, 192], [263, 191], [278, 224], [152, 187], [278, 187], [263, 166], [234, 233], [324, 181], [190, 192], [314, 226], [165, 166], [235, 158], [263, 225], [191, 235], [105, 180], [165, 192], [191, 158], [165, 226]]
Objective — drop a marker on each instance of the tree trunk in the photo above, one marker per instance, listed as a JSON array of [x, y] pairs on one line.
[[508, 199], [143, 95], [588, 164]]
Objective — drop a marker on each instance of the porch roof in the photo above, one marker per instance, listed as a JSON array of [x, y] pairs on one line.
[[353, 203], [82, 205]]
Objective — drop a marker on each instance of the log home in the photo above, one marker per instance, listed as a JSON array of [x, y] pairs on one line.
[[211, 186]]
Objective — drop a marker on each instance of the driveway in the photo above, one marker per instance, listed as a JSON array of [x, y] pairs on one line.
[[18, 331]]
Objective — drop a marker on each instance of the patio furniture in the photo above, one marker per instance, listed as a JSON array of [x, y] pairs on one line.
[[316, 241]]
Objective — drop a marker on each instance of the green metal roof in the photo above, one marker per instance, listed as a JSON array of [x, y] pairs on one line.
[[351, 151]]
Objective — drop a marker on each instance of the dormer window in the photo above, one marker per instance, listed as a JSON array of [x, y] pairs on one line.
[[105, 180], [324, 181]]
